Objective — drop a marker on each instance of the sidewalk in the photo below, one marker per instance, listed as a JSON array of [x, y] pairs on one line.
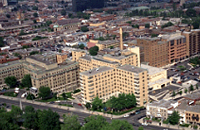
[[167, 125], [66, 108]]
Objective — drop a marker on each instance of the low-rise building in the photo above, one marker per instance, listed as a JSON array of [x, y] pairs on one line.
[[157, 77]]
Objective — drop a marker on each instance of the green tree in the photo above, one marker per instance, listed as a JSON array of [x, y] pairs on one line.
[[35, 14], [30, 118], [185, 90], [7, 121], [48, 120], [17, 55], [191, 87], [94, 50], [140, 128], [197, 87], [70, 122], [174, 118], [97, 104], [34, 52], [125, 35], [8, 15], [16, 113], [191, 12], [81, 46], [180, 92], [44, 92], [118, 125], [94, 123], [147, 25], [50, 7], [70, 15], [1, 42], [195, 24], [173, 94], [174, 6], [30, 97], [35, 8], [64, 95], [26, 81], [84, 29], [11, 81], [111, 47], [63, 12], [88, 105]]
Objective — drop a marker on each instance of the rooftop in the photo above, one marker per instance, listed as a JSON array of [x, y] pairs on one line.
[[131, 68], [162, 103], [152, 70], [193, 96], [96, 71], [185, 107]]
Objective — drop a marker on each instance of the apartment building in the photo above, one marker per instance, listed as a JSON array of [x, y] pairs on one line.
[[157, 77], [176, 46], [193, 42], [61, 57], [76, 54], [107, 44], [44, 71], [106, 82], [129, 56], [13, 68], [188, 108], [161, 109], [160, 51]]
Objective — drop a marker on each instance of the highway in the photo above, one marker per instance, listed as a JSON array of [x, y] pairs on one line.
[[81, 116]]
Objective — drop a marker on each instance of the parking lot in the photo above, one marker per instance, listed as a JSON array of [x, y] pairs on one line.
[[187, 73]]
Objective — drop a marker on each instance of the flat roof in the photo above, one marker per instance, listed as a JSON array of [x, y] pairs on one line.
[[152, 70], [193, 96], [190, 108], [132, 68], [11, 63], [162, 103], [96, 71]]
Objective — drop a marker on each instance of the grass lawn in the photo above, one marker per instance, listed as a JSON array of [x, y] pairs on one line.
[[185, 125], [67, 105], [52, 99], [123, 112], [69, 95], [11, 94], [156, 119]]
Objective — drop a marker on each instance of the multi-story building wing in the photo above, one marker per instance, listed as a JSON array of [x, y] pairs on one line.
[[107, 81], [192, 42], [14, 68], [130, 57], [163, 50], [44, 71]]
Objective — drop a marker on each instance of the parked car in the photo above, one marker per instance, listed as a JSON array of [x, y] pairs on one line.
[[185, 71], [79, 104], [133, 113], [144, 124], [51, 102], [197, 79], [127, 115]]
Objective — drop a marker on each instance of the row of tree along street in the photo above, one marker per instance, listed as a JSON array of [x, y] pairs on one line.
[[29, 118], [114, 105]]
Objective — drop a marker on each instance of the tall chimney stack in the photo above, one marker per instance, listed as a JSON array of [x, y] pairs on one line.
[[121, 39]]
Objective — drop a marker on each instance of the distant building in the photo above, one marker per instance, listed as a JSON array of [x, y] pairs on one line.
[[12, 2], [44, 71], [80, 5]]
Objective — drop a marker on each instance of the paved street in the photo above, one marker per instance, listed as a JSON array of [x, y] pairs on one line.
[[132, 119]]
